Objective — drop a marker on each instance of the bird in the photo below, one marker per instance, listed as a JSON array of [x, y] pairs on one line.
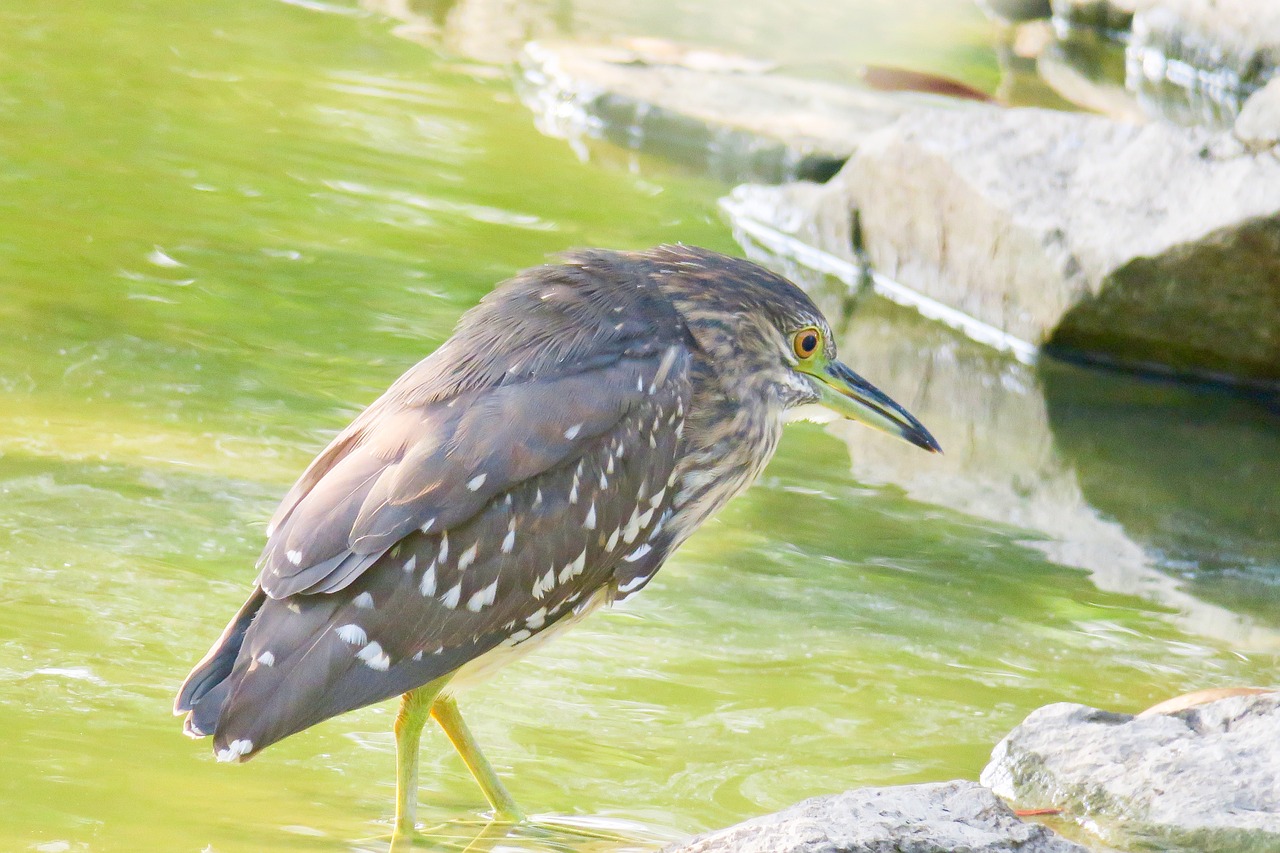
[[581, 422]]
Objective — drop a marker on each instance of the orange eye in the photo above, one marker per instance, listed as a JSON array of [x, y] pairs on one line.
[[806, 342]]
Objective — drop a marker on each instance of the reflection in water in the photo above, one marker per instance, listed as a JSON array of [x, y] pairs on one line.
[[1047, 448]]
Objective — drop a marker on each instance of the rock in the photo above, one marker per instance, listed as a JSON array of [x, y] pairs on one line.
[[1119, 243], [725, 113], [1088, 69], [1206, 777], [1223, 48], [1258, 125], [1110, 16], [936, 818]]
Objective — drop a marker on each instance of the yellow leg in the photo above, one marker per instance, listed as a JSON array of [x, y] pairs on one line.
[[415, 709], [445, 711]]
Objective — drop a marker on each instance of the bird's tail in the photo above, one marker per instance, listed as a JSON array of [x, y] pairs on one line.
[[205, 690]]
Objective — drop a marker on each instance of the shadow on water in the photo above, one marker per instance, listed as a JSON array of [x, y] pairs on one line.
[[1156, 489]]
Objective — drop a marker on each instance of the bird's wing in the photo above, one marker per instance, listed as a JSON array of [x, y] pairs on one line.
[[538, 550], [496, 405], [491, 492]]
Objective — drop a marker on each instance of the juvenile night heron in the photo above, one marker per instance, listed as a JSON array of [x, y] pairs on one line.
[[578, 426]]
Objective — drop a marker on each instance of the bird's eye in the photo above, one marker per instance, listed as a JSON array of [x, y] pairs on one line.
[[806, 342]]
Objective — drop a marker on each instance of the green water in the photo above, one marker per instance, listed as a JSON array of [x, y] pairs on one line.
[[226, 226]]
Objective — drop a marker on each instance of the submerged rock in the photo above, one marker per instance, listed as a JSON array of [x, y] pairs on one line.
[[1110, 16], [1258, 125], [1139, 245], [1214, 43], [1190, 61], [936, 818], [725, 113], [1205, 777]]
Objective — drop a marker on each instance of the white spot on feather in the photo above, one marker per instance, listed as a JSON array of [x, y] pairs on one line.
[[450, 599], [638, 553], [509, 541], [294, 557], [444, 547], [428, 585], [430, 523], [417, 655], [483, 597], [657, 499], [572, 432], [544, 584], [235, 749], [632, 530], [468, 556], [572, 570], [537, 619], [633, 583], [518, 637], [411, 563], [364, 601], [352, 634], [476, 482], [374, 657], [613, 539], [590, 521], [267, 659]]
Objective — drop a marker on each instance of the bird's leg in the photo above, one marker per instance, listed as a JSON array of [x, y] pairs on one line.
[[415, 709], [445, 711]]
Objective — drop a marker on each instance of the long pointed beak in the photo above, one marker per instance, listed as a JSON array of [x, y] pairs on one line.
[[853, 397]]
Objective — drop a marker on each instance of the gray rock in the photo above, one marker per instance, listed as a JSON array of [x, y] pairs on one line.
[[1112, 16], [1206, 777], [1088, 69], [937, 818], [1125, 244], [1220, 46], [1258, 126], [725, 113]]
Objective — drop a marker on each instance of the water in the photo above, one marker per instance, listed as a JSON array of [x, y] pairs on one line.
[[225, 227]]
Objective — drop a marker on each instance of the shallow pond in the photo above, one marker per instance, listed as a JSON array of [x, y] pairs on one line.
[[226, 226]]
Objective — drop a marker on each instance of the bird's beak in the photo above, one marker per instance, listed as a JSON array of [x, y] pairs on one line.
[[848, 394]]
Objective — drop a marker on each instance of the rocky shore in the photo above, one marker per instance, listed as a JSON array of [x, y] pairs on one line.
[[1200, 773], [1115, 239]]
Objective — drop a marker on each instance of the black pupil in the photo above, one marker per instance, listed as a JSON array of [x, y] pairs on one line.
[[809, 342]]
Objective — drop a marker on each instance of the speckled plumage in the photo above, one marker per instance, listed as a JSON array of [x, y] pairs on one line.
[[580, 423]]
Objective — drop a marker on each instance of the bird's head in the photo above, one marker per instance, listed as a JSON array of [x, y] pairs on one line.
[[765, 334]]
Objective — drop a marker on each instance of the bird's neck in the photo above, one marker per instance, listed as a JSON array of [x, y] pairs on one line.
[[730, 437]]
